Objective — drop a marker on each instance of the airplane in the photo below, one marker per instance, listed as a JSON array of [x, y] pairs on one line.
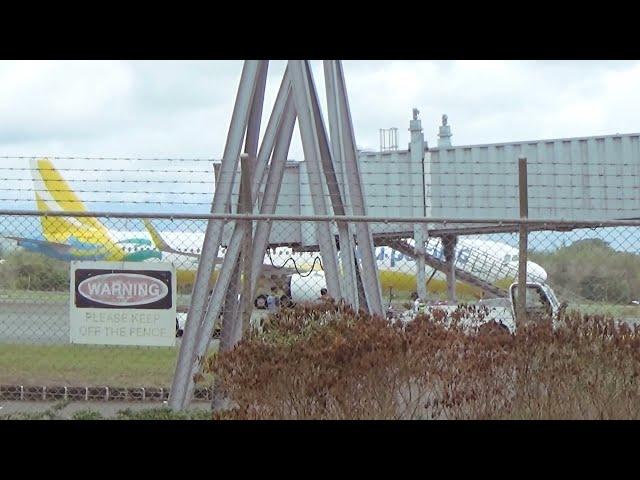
[[494, 262], [71, 238]]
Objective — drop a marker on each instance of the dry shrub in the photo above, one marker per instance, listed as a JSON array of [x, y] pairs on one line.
[[327, 362]]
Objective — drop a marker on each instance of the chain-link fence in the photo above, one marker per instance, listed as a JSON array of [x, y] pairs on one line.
[[85, 214], [594, 268]]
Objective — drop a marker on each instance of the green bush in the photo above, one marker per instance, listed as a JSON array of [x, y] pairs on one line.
[[610, 289], [592, 269], [24, 270]]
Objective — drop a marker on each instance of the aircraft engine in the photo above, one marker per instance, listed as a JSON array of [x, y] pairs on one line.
[[306, 288]]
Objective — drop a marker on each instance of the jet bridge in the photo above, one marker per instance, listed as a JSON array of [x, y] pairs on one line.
[[568, 178]]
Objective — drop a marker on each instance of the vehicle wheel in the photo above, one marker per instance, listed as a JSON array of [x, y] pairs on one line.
[[285, 301], [260, 302], [493, 328]]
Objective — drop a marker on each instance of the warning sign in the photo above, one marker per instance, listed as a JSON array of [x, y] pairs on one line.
[[123, 303]]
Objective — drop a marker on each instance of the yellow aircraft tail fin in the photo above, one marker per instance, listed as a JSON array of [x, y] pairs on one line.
[[53, 194]]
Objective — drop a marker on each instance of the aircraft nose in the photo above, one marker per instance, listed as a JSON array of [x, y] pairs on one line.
[[536, 272]]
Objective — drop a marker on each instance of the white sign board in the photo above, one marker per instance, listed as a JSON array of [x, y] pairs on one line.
[[123, 303]]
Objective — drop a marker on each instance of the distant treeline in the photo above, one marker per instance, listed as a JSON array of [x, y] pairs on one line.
[[24, 270], [588, 268], [593, 270]]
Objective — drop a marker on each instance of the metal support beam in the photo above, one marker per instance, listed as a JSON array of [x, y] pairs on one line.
[[220, 291], [297, 97], [255, 117], [232, 325], [310, 145], [347, 258], [272, 189], [271, 133], [347, 244], [283, 112], [246, 201], [229, 312], [240, 117], [369, 273], [230, 315]]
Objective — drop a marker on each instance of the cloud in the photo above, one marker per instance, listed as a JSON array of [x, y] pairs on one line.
[[182, 109], [167, 108]]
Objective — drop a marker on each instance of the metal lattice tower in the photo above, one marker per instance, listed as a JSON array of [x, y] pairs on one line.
[[332, 164]]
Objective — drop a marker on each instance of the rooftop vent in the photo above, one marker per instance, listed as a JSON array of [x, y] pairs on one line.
[[388, 139]]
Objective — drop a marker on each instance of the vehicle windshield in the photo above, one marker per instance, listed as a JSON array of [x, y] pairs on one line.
[[539, 301], [551, 295]]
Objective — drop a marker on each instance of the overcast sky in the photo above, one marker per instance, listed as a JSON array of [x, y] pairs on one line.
[[183, 108]]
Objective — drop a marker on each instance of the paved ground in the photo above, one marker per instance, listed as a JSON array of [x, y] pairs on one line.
[[43, 322], [33, 322]]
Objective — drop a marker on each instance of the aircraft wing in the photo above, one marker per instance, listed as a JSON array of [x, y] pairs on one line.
[[62, 248], [163, 246]]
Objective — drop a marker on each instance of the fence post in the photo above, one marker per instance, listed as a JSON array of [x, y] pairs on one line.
[[449, 243], [523, 241]]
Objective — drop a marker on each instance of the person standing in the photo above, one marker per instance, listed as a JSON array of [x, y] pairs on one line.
[[416, 305], [324, 296], [272, 301]]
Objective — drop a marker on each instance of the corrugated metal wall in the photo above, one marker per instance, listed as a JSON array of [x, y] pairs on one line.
[[576, 178]]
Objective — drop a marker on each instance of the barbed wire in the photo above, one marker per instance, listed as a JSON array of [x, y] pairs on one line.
[[368, 183], [462, 208], [435, 161], [128, 159], [414, 194]]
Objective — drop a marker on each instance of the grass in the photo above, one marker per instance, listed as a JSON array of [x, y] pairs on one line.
[[56, 412], [87, 365], [616, 311], [37, 296]]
